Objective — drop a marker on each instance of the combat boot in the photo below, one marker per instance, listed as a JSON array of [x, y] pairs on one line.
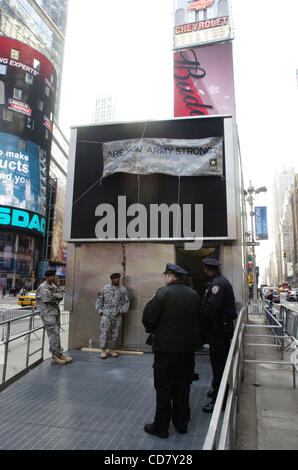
[[113, 353], [67, 359], [103, 354], [57, 360]]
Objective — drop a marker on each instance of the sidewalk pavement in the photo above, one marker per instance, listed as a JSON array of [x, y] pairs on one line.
[[268, 417]]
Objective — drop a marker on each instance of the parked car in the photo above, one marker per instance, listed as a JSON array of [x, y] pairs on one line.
[[28, 299], [265, 291], [276, 296], [292, 295]]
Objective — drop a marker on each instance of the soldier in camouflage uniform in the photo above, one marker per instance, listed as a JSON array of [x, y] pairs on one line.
[[48, 296], [111, 303]]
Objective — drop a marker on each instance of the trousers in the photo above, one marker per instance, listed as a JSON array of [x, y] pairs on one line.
[[52, 327], [218, 352], [109, 325], [173, 374]]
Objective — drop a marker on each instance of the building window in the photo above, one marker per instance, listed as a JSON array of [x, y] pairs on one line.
[[36, 64], [40, 105], [15, 54], [47, 91], [7, 115], [30, 123], [17, 94], [3, 69], [29, 78], [22, 144]]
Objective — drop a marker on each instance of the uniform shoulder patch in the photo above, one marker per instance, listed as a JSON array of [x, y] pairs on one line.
[[215, 289]]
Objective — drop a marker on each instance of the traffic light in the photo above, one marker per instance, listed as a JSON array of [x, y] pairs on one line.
[[284, 255]]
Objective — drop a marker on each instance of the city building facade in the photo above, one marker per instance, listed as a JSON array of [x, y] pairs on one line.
[[294, 204], [105, 110], [283, 182], [31, 57]]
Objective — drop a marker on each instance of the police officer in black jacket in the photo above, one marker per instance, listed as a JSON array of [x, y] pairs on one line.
[[218, 327], [172, 316]]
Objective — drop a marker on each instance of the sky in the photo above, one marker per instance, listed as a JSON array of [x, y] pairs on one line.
[[124, 49]]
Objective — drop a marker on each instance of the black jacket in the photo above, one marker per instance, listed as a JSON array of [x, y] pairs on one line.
[[173, 316], [219, 309]]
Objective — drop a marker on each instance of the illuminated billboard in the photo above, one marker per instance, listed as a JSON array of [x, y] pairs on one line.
[[199, 22], [204, 81], [27, 102], [59, 247]]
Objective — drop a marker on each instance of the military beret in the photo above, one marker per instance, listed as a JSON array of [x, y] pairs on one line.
[[174, 269], [115, 276], [50, 272], [211, 262]]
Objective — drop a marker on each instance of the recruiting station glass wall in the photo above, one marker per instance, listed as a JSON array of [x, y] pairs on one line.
[[27, 101]]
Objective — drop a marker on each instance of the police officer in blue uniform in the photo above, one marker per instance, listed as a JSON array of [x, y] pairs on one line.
[[173, 318], [219, 313]]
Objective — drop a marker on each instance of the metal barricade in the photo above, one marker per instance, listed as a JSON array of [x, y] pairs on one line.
[[14, 325], [221, 432]]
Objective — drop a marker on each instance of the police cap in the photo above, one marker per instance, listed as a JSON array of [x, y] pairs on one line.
[[174, 269], [212, 262], [50, 272], [115, 276]]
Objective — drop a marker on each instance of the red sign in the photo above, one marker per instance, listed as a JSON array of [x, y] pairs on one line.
[[200, 4], [204, 81], [19, 107], [48, 124]]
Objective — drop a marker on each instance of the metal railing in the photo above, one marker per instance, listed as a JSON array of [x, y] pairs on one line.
[[276, 321], [221, 432], [15, 327]]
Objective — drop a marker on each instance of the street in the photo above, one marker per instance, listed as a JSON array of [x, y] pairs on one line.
[[290, 305]]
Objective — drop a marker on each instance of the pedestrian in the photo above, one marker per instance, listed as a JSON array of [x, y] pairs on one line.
[[3, 292], [112, 303], [219, 313], [172, 318], [48, 297]]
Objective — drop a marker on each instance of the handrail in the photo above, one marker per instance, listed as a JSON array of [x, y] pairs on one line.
[[231, 376], [7, 339]]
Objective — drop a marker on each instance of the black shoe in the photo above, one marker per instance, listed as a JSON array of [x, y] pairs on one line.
[[210, 394], [150, 429], [209, 407], [181, 430], [195, 377]]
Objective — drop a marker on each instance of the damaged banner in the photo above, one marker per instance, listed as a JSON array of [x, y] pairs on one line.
[[177, 157]]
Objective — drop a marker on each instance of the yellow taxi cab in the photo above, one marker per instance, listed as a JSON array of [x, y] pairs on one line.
[[27, 299]]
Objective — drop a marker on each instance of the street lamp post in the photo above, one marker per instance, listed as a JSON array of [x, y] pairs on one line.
[[250, 199]]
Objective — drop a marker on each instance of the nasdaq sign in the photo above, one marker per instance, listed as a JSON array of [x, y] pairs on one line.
[[22, 219]]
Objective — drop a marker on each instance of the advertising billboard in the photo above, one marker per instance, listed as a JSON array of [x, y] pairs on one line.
[[204, 81], [27, 102], [158, 181], [261, 223], [59, 247], [200, 22]]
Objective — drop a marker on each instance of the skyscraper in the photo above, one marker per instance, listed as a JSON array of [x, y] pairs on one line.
[[105, 109], [283, 182], [32, 46], [41, 24]]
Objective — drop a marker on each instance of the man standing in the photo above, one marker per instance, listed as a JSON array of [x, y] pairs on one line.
[[111, 303], [172, 317], [48, 297], [219, 313]]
